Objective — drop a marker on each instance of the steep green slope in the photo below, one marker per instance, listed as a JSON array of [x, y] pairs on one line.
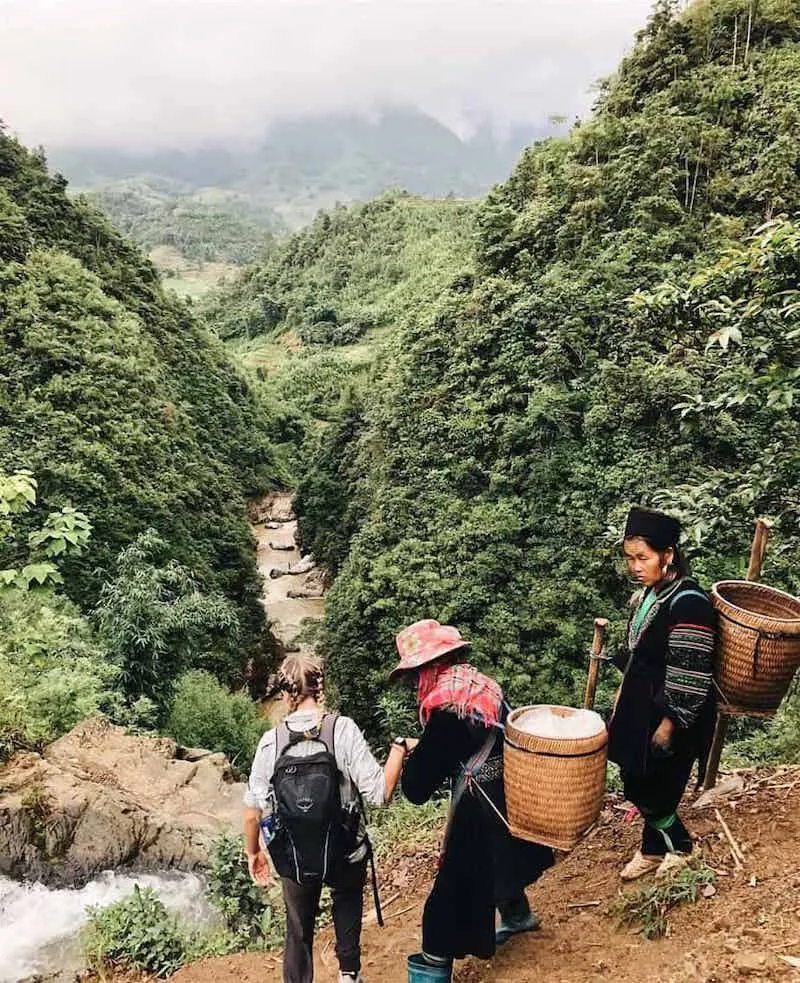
[[625, 341], [312, 317], [117, 400]]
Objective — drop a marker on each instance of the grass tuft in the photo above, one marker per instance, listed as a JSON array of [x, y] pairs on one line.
[[648, 907]]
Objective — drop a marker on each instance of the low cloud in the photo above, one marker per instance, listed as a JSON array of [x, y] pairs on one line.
[[148, 73]]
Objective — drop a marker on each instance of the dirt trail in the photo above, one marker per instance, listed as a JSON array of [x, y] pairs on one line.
[[741, 932]]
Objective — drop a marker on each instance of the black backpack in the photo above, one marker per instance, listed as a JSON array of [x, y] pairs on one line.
[[313, 833]]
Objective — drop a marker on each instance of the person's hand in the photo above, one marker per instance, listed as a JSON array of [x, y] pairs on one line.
[[258, 865], [663, 735], [411, 743]]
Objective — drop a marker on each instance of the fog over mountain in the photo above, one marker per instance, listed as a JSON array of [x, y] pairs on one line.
[[182, 73]]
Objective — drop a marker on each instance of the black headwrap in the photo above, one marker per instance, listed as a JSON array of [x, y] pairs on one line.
[[660, 530]]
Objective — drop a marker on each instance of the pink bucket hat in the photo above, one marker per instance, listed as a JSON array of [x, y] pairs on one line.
[[423, 642]]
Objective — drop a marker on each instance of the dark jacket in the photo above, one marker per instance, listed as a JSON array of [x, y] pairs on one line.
[[668, 674], [482, 864]]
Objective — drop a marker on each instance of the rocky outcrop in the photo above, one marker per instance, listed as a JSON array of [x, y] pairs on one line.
[[99, 799]]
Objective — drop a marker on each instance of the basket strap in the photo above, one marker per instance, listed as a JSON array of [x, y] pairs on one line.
[[685, 593], [465, 782], [499, 814]]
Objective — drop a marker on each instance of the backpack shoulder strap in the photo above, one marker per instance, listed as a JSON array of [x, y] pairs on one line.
[[327, 732], [283, 739]]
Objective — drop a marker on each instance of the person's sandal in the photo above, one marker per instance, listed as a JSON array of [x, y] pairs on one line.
[[640, 865], [514, 926], [672, 863]]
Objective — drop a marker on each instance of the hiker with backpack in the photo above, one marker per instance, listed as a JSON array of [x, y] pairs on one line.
[[664, 713], [305, 797], [482, 867]]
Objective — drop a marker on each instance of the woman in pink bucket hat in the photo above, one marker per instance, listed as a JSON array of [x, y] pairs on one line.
[[481, 867]]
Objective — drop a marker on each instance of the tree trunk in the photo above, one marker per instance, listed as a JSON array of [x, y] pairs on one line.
[[749, 29]]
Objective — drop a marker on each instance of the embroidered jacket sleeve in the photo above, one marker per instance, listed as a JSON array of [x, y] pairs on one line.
[[690, 655]]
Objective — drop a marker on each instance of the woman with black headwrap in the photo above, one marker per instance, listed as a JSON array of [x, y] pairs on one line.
[[664, 714]]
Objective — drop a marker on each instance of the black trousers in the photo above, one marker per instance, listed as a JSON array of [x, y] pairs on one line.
[[657, 795], [302, 904]]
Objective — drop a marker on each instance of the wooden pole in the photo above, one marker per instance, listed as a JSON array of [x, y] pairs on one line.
[[600, 626], [758, 551], [759, 548], [714, 755]]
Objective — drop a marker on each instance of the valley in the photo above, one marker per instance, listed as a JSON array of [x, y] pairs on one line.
[[300, 394]]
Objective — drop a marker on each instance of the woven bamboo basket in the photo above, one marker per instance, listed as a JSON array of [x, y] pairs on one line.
[[758, 650], [554, 787]]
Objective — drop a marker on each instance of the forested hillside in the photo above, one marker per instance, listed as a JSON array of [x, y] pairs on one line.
[[632, 335], [353, 269], [311, 320], [205, 225], [128, 448], [197, 210]]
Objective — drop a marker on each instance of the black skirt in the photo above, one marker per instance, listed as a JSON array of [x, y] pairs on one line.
[[482, 864]]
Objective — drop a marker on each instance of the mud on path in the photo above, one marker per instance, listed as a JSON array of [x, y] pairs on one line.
[[739, 933]]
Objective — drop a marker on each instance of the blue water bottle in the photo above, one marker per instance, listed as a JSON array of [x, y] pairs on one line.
[[267, 825], [267, 821]]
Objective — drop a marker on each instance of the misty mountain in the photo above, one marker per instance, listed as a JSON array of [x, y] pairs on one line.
[[309, 163]]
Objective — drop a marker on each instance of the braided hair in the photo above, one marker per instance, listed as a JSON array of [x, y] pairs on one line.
[[301, 676]]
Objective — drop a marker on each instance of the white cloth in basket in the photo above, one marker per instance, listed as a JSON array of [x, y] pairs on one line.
[[560, 723]]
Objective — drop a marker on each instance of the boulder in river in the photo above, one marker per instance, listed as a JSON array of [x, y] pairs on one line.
[[306, 593], [305, 565], [282, 512], [99, 799]]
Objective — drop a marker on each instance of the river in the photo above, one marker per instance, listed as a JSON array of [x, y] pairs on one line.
[[39, 927]]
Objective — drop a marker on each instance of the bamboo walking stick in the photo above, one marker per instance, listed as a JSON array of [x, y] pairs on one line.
[[595, 658], [758, 551]]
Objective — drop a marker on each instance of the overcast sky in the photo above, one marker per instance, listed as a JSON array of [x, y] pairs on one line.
[[181, 72]]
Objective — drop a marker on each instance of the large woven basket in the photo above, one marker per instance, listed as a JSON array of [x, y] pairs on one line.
[[759, 645], [554, 787]]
